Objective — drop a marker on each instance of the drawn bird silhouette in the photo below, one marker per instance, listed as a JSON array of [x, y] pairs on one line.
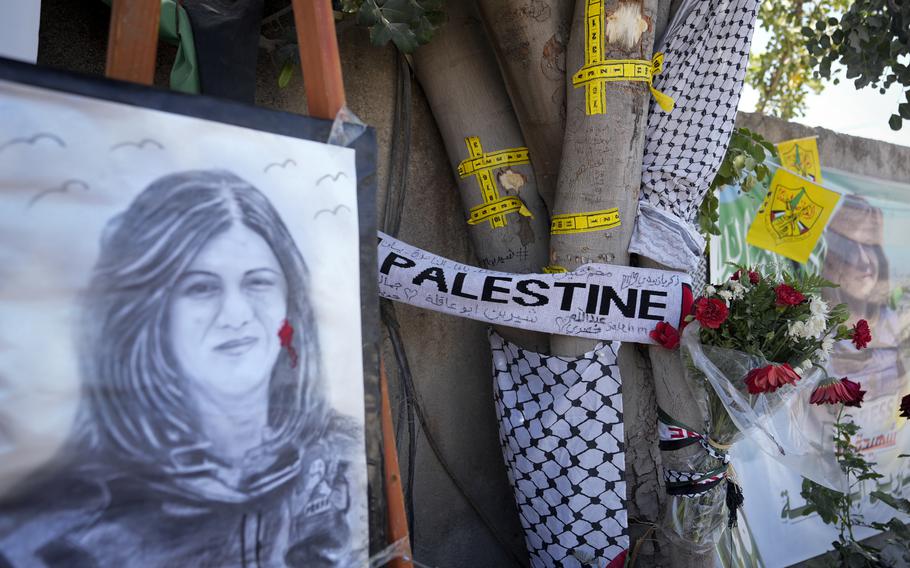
[[331, 177], [332, 211], [281, 165], [65, 187], [32, 140], [141, 145]]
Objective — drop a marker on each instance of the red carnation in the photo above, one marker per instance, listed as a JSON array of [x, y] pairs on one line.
[[861, 334], [711, 312], [905, 406], [770, 378], [834, 391], [788, 296], [754, 277], [666, 335]]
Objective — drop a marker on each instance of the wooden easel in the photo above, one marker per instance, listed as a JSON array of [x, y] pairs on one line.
[[131, 52]]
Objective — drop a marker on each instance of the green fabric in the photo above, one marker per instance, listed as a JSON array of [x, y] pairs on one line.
[[175, 28]]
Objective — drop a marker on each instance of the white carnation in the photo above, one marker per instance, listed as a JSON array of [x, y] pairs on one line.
[[797, 330], [710, 290], [815, 326], [803, 367], [726, 295], [828, 345], [738, 290], [817, 306]]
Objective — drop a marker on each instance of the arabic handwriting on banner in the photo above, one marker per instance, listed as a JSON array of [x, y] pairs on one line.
[[596, 301]]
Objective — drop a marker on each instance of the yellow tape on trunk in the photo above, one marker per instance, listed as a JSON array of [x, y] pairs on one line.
[[480, 165], [597, 71], [570, 223]]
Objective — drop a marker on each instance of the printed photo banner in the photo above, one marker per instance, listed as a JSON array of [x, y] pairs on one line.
[[597, 301]]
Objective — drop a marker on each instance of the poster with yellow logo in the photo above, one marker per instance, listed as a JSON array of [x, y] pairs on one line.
[[792, 217], [801, 156]]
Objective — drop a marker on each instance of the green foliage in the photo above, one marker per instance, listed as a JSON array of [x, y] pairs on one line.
[[836, 508], [869, 40], [744, 164], [782, 74], [407, 23]]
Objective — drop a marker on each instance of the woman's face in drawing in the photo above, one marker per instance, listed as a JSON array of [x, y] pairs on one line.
[[225, 313]]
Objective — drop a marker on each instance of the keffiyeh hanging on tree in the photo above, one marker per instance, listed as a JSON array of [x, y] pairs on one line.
[[561, 429], [706, 50]]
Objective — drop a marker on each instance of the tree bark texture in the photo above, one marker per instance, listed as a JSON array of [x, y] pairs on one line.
[[458, 73], [530, 40]]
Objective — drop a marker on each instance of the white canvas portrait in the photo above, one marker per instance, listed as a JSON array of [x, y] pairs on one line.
[[181, 375]]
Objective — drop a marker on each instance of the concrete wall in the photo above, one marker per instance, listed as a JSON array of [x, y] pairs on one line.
[[449, 357], [841, 151]]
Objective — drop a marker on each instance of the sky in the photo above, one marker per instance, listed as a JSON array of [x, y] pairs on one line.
[[842, 108]]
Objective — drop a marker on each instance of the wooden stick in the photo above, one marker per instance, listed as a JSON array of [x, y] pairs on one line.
[[133, 40], [319, 59], [398, 520]]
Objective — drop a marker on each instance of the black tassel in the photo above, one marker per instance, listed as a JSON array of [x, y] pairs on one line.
[[735, 500]]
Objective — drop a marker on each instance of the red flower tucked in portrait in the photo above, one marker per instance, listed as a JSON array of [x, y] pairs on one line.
[[788, 296], [711, 312], [834, 391], [770, 378], [666, 335], [861, 334], [905, 406]]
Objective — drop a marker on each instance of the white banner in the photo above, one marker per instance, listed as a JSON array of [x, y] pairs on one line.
[[597, 301]]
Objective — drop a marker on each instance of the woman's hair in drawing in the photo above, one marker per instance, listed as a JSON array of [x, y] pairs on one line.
[[138, 405]]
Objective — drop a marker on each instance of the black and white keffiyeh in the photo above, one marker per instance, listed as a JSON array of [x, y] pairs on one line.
[[561, 429], [706, 51]]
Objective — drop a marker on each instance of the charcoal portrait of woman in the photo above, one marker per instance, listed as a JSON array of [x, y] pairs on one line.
[[204, 435]]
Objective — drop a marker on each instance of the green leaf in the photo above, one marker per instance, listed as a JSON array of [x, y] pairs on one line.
[[902, 505], [286, 72]]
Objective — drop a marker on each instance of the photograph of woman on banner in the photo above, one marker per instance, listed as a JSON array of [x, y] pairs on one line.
[[204, 435], [856, 261]]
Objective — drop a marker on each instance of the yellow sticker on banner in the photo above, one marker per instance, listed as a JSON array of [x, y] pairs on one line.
[[591, 221], [792, 217], [801, 156], [494, 208], [554, 269], [598, 71]]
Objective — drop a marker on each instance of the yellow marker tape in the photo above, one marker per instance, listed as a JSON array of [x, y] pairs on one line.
[[497, 208], [597, 71], [554, 269], [494, 208], [584, 222]]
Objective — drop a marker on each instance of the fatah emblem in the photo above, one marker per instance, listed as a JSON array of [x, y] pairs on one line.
[[793, 213]]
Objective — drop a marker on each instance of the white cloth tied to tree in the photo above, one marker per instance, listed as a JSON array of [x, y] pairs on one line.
[[706, 50], [561, 429]]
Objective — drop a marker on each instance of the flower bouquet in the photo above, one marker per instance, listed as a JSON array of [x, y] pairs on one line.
[[756, 346]]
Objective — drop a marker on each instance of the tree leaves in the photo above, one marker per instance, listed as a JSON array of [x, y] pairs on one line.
[[872, 41], [782, 74], [743, 164], [406, 23]]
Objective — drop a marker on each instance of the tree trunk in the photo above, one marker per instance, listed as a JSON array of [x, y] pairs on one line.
[[530, 44], [458, 72]]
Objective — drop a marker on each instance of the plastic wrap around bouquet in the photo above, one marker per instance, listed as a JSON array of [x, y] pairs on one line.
[[739, 351]]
